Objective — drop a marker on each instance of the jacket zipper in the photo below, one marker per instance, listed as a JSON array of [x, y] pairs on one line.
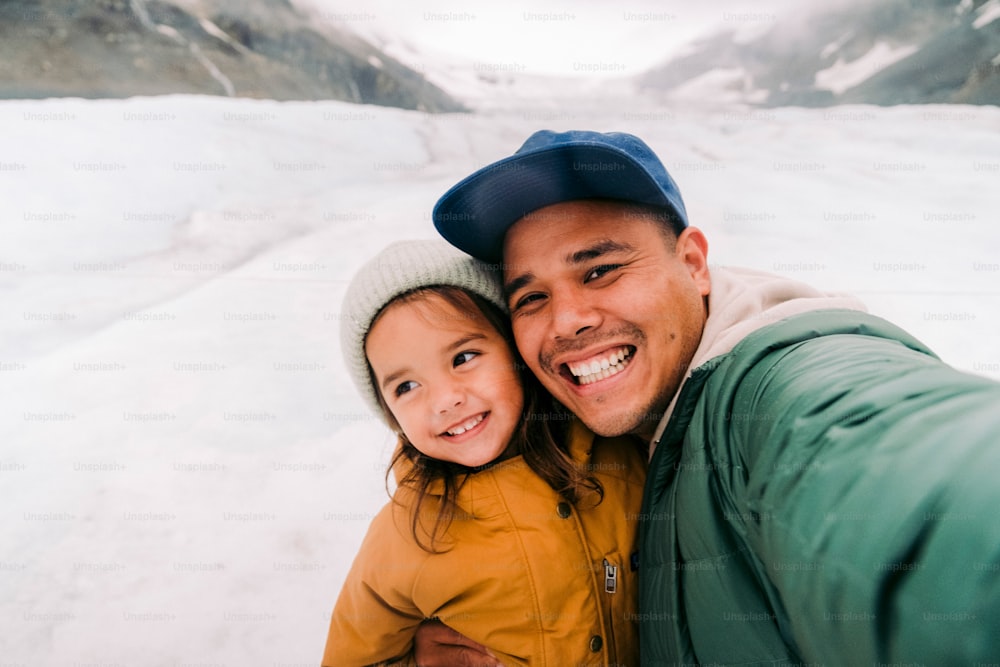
[[610, 577]]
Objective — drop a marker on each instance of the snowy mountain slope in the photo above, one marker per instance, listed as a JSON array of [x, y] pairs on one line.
[[185, 470], [894, 52], [260, 49]]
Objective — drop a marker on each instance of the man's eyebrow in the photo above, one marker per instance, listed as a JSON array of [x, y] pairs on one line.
[[579, 257], [596, 250], [517, 283]]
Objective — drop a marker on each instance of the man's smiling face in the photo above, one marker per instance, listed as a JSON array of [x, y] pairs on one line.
[[607, 309]]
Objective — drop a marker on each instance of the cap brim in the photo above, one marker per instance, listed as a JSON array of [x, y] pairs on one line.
[[475, 214]]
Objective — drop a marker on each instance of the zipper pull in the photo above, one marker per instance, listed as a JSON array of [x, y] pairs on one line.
[[610, 577]]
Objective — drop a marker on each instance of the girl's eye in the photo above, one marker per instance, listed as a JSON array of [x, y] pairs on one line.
[[464, 357], [599, 271], [404, 387]]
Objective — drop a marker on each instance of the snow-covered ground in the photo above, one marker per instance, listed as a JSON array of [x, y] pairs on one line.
[[185, 470]]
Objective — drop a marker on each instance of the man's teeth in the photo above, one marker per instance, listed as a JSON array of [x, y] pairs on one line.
[[598, 369], [467, 425]]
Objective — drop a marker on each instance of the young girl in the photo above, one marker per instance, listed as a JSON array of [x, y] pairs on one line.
[[517, 542]]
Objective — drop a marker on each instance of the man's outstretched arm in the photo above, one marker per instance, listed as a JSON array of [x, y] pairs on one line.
[[872, 469]]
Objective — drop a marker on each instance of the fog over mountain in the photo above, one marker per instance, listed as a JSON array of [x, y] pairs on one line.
[[842, 52], [260, 48], [891, 52]]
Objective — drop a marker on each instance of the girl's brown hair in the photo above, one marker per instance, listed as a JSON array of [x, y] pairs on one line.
[[539, 438]]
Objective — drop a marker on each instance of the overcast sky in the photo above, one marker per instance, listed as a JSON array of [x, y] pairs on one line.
[[552, 36]]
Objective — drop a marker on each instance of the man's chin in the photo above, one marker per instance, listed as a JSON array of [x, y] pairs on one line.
[[612, 423], [599, 412], [618, 416]]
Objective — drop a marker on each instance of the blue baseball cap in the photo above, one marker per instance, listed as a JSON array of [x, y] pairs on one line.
[[551, 168]]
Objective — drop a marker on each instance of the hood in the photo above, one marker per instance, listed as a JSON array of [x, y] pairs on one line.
[[743, 301]]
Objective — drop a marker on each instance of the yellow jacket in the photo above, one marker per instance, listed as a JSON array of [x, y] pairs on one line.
[[525, 573]]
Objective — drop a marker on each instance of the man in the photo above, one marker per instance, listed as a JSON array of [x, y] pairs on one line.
[[821, 489]]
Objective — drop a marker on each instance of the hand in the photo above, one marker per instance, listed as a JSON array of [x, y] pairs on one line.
[[437, 645]]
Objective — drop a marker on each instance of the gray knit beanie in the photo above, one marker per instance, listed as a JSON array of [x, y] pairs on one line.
[[401, 267]]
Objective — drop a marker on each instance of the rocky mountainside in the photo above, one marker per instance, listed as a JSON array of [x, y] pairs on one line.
[[256, 48], [887, 52]]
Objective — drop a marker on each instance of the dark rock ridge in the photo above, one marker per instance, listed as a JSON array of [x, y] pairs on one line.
[[952, 56], [259, 48]]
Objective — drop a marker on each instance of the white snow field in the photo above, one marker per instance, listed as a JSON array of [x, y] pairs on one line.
[[185, 470]]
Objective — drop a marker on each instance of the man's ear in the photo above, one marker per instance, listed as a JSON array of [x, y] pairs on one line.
[[692, 249]]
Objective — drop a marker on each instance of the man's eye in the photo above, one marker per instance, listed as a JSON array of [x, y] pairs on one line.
[[526, 300], [464, 357], [599, 271], [404, 387]]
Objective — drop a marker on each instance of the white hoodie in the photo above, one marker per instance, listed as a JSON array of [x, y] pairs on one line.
[[742, 301]]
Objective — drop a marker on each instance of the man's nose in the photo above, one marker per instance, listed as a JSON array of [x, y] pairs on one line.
[[572, 313]]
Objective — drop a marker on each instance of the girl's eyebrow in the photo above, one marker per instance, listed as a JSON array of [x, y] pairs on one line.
[[392, 377], [464, 340]]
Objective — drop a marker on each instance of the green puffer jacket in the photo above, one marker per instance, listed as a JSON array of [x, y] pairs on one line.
[[827, 492]]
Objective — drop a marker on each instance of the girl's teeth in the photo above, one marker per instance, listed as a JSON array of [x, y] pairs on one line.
[[466, 426]]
